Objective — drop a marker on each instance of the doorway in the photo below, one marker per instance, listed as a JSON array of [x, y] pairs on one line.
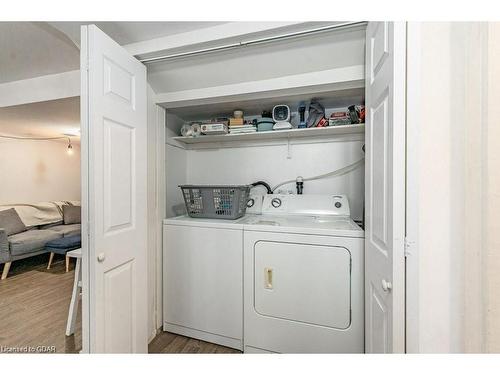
[[40, 217]]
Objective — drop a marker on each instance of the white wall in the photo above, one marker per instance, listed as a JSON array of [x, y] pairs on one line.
[[36, 171], [176, 168], [177, 175], [491, 184], [271, 164], [294, 56], [446, 145]]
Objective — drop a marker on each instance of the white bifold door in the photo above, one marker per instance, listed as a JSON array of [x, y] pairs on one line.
[[385, 187], [113, 112]]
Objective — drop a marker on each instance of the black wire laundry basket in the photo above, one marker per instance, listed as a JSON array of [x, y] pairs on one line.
[[215, 201]]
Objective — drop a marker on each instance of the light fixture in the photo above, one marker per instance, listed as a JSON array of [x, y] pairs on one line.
[[69, 150], [70, 147]]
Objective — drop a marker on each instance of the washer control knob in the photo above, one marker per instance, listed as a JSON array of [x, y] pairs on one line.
[[250, 202], [338, 204], [276, 202]]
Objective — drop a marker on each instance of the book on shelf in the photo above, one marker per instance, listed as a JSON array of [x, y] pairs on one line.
[[236, 121]]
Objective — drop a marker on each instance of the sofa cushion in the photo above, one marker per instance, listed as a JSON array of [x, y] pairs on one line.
[[48, 226], [65, 244], [31, 241], [67, 230], [36, 214], [11, 222], [72, 214]]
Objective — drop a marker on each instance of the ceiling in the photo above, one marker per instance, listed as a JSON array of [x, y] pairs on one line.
[[29, 50], [44, 119], [131, 32], [33, 49]]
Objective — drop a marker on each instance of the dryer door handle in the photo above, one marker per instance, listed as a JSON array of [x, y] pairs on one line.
[[268, 278]]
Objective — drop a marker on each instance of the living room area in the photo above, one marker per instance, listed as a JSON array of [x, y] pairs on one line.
[[40, 190], [40, 226]]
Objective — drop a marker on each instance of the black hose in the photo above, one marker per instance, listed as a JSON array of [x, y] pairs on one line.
[[265, 184]]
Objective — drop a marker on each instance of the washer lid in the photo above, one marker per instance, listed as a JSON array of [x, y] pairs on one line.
[[341, 226], [185, 220]]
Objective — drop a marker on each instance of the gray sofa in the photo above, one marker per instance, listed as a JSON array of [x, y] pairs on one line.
[[32, 241]]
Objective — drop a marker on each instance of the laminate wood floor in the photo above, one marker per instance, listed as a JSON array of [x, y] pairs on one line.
[[34, 305], [166, 342]]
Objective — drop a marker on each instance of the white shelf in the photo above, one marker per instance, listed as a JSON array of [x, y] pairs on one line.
[[253, 108], [314, 83], [277, 134]]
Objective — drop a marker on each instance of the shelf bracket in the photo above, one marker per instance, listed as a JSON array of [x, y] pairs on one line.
[[288, 151]]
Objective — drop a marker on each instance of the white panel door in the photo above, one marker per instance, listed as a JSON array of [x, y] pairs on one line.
[[114, 177], [385, 187]]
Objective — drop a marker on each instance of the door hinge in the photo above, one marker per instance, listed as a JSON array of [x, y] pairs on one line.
[[409, 246]]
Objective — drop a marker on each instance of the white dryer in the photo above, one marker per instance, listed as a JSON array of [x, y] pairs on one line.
[[303, 276]]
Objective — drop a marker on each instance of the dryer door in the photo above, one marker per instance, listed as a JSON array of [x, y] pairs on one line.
[[303, 283]]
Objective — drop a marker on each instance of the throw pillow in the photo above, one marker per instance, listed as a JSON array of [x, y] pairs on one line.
[[72, 214], [11, 222]]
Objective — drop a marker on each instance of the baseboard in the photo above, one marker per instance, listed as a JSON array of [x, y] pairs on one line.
[[205, 336], [254, 350], [155, 333]]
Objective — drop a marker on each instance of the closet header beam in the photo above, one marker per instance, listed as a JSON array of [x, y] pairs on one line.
[[247, 43]]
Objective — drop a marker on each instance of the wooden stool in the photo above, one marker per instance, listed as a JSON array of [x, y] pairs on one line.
[[77, 288]]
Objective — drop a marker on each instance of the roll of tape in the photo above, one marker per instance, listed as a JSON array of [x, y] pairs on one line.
[[196, 130], [186, 130]]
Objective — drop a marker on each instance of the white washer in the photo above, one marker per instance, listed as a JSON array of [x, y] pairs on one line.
[[303, 276], [203, 279]]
